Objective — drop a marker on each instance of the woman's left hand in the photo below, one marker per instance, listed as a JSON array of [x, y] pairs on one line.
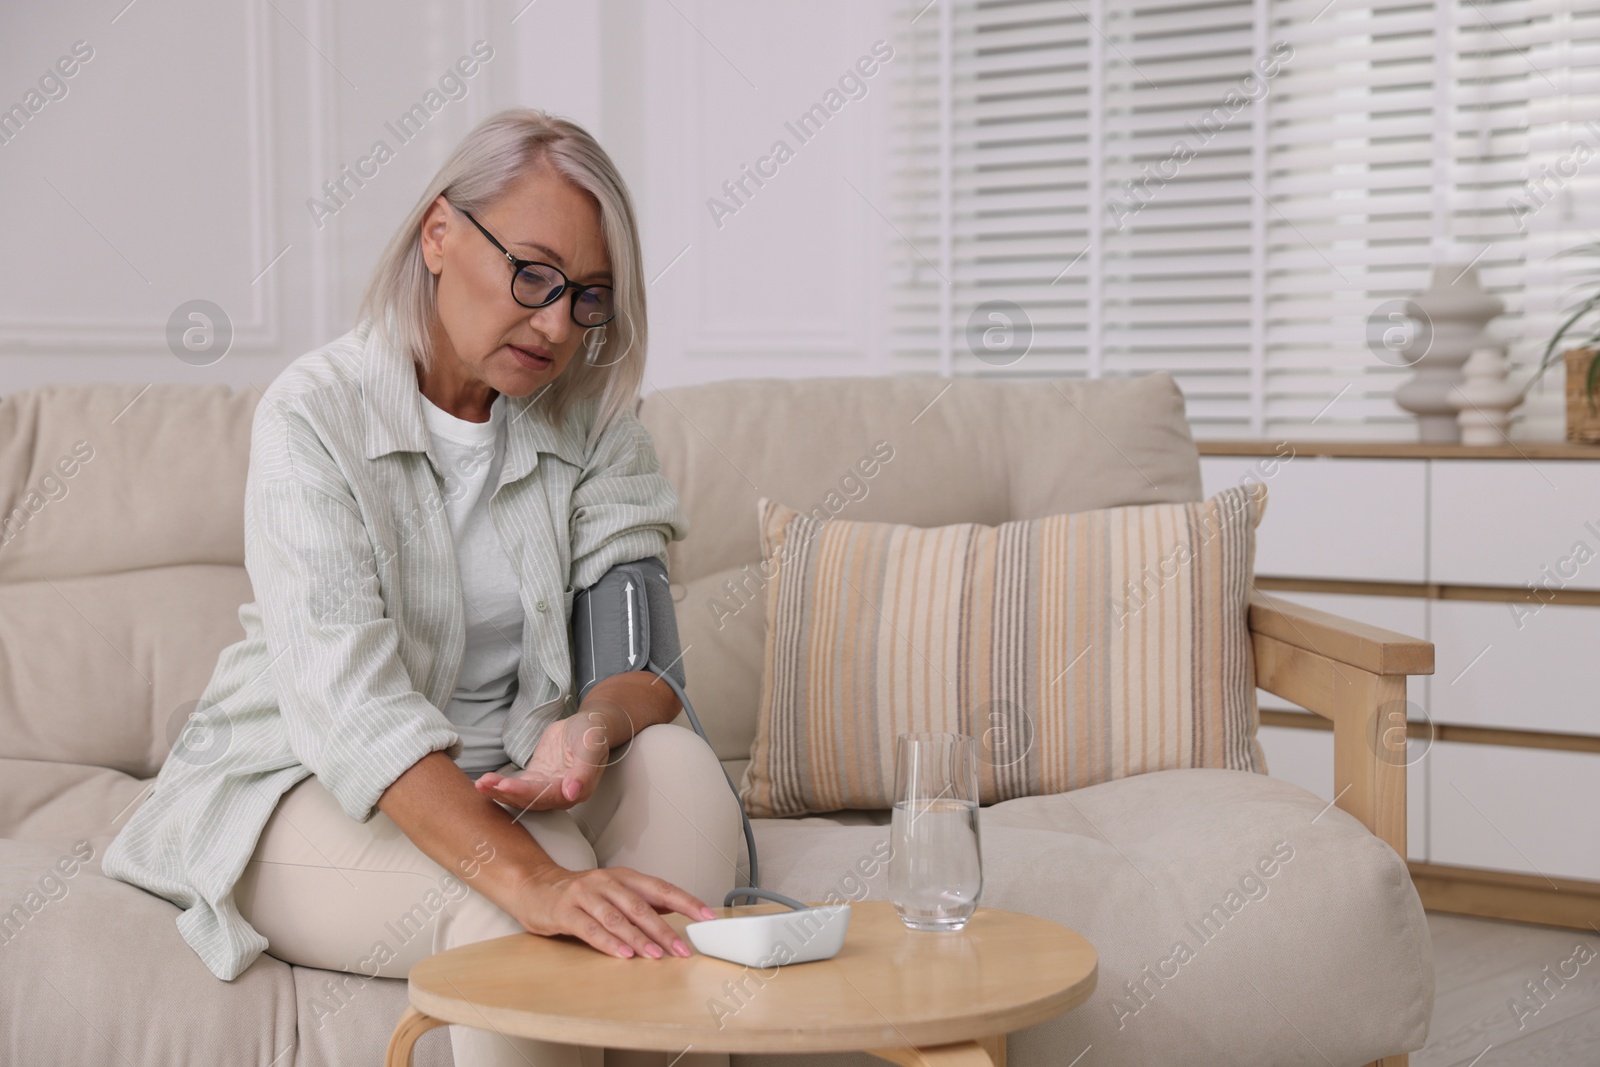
[[567, 762]]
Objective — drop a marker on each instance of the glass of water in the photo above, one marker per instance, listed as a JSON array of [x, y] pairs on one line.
[[935, 873]]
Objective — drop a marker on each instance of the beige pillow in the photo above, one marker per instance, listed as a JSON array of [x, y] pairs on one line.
[[1078, 648]]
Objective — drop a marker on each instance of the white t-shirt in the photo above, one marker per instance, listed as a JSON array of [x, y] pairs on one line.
[[471, 454]]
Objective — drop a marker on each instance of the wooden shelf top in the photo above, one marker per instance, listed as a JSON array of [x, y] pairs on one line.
[[1398, 449]]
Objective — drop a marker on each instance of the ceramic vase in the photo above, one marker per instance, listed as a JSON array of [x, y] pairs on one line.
[[1452, 311], [1485, 398]]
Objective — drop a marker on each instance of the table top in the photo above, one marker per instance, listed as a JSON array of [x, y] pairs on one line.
[[887, 987]]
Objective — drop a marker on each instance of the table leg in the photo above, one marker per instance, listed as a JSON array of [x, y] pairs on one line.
[[960, 1054], [412, 1025]]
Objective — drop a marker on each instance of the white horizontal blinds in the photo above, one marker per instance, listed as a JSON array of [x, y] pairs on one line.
[[913, 288], [1427, 120], [1019, 172], [1355, 184], [1067, 199], [1533, 170], [1255, 240], [1176, 268]]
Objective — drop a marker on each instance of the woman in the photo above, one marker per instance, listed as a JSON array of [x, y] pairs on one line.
[[425, 496]]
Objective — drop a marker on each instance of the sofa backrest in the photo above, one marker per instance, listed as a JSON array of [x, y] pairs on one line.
[[121, 564], [122, 539], [922, 451]]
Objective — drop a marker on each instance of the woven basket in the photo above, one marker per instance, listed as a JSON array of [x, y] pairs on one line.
[[1583, 418]]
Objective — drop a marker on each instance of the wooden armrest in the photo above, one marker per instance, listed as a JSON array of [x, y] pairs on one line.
[[1371, 648], [1355, 675]]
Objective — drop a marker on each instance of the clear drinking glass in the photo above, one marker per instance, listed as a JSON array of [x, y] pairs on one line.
[[935, 872]]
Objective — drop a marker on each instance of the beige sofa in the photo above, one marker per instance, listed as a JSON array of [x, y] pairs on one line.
[[120, 578]]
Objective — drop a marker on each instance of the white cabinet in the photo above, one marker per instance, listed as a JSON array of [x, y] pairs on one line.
[[1492, 555], [1334, 518], [1515, 522], [1507, 665], [1516, 809]]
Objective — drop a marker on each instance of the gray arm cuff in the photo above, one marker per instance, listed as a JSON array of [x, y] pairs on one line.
[[607, 630], [665, 652]]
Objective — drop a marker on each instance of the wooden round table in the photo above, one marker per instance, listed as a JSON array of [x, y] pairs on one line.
[[909, 997]]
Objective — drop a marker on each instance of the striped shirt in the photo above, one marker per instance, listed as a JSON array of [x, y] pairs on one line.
[[355, 639]]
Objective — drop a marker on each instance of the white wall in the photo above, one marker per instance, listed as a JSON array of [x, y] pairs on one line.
[[791, 283], [179, 164]]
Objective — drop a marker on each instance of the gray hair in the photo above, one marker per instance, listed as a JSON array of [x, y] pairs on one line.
[[400, 298]]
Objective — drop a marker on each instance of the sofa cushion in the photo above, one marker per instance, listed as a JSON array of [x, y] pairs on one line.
[[347, 1019], [157, 478], [98, 971], [722, 626], [1076, 648], [50, 802], [143, 647], [938, 452], [1326, 959]]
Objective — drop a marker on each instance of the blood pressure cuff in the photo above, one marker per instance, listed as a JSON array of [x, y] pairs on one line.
[[625, 622]]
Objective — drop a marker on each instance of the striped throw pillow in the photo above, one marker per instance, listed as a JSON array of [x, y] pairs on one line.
[[1078, 648]]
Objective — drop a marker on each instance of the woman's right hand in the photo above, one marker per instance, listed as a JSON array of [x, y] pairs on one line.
[[614, 909]]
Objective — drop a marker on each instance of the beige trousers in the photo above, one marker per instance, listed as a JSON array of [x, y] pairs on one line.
[[326, 891]]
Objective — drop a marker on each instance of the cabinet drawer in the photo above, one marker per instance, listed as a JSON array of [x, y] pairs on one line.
[[1516, 809], [1359, 519], [1509, 665], [1509, 522], [1305, 758]]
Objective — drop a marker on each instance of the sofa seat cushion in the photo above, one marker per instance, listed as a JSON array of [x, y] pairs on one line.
[[1325, 959], [93, 970], [58, 803], [347, 1019]]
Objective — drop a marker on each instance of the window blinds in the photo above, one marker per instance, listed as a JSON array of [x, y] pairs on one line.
[[1228, 190]]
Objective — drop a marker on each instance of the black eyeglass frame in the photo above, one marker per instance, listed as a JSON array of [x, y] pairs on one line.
[[566, 283]]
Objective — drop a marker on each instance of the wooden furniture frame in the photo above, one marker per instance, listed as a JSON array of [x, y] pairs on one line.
[[1354, 675]]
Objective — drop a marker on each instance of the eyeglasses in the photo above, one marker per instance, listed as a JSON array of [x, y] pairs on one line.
[[536, 285]]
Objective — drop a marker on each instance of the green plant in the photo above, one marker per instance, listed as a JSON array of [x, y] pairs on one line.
[[1588, 304]]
